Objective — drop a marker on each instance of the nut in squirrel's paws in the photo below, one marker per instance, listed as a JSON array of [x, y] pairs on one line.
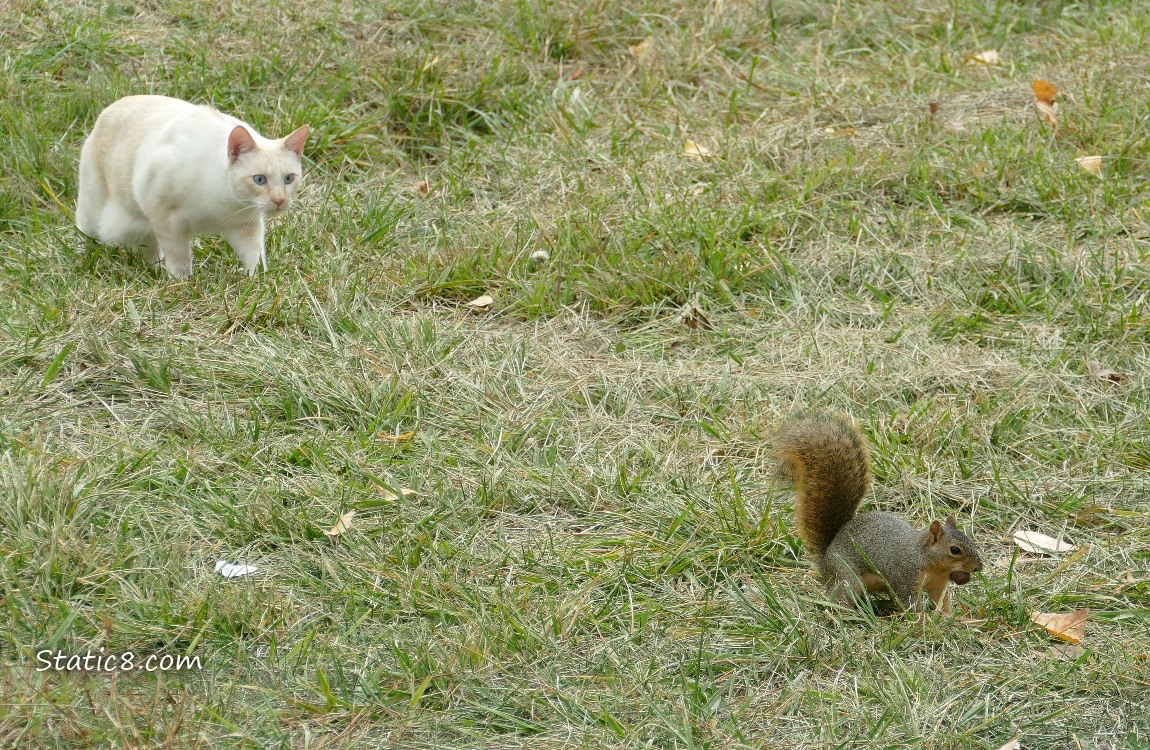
[[961, 577]]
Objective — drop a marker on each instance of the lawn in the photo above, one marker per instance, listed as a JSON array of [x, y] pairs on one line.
[[694, 219]]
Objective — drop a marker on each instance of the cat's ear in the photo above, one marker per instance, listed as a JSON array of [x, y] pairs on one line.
[[295, 141], [240, 142]]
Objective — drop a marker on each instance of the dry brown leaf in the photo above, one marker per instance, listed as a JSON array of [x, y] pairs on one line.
[[694, 151], [391, 497], [422, 187], [1044, 93], [1130, 576], [1092, 164], [1049, 113], [986, 57], [1012, 745], [1040, 544], [1098, 371], [1071, 627], [396, 438], [641, 47], [342, 525], [695, 318], [482, 302]]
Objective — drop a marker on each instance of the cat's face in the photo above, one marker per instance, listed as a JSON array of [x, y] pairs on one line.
[[266, 177]]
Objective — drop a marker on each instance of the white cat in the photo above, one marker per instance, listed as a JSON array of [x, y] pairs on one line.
[[156, 171]]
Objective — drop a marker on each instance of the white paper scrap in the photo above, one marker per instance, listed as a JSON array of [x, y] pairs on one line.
[[231, 570]]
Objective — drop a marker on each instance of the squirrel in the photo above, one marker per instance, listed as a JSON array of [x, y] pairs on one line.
[[826, 457]]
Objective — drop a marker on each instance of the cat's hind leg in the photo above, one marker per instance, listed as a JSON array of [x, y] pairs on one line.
[[91, 197]]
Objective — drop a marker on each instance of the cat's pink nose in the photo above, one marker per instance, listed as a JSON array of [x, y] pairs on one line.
[[278, 201]]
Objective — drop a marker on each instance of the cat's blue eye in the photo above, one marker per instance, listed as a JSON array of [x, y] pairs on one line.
[[288, 178], [260, 179]]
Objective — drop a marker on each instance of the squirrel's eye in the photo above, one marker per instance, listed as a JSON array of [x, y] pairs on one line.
[[260, 179], [955, 551], [288, 178]]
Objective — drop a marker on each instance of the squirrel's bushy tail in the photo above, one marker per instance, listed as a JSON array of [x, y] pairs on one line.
[[825, 456]]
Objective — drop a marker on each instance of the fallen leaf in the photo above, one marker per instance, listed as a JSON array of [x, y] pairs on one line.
[[933, 108], [1044, 93], [342, 525], [1040, 544], [695, 318], [482, 302], [422, 187], [396, 438], [1092, 164], [1098, 371], [391, 497], [1071, 627], [232, 570], [1012, 745], [694, 151], [641, 47], [1130, 576], [986, 57]]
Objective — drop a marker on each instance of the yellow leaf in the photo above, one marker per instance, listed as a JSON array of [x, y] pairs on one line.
[[1092, 164], [986, 57], [342, 525], [482, 302], [1044, 93], [396, 438], [1040, 544], [641, 47], [1071, 627], [694, 151], [391, 497]]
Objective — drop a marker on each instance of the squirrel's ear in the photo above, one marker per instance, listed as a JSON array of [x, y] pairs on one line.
[[951, 522], [935, 531]]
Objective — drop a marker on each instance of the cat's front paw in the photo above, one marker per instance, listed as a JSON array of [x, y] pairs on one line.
[[252, 263], [178, 269]]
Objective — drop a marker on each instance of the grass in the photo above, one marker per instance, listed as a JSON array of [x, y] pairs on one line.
[[598, 555]]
